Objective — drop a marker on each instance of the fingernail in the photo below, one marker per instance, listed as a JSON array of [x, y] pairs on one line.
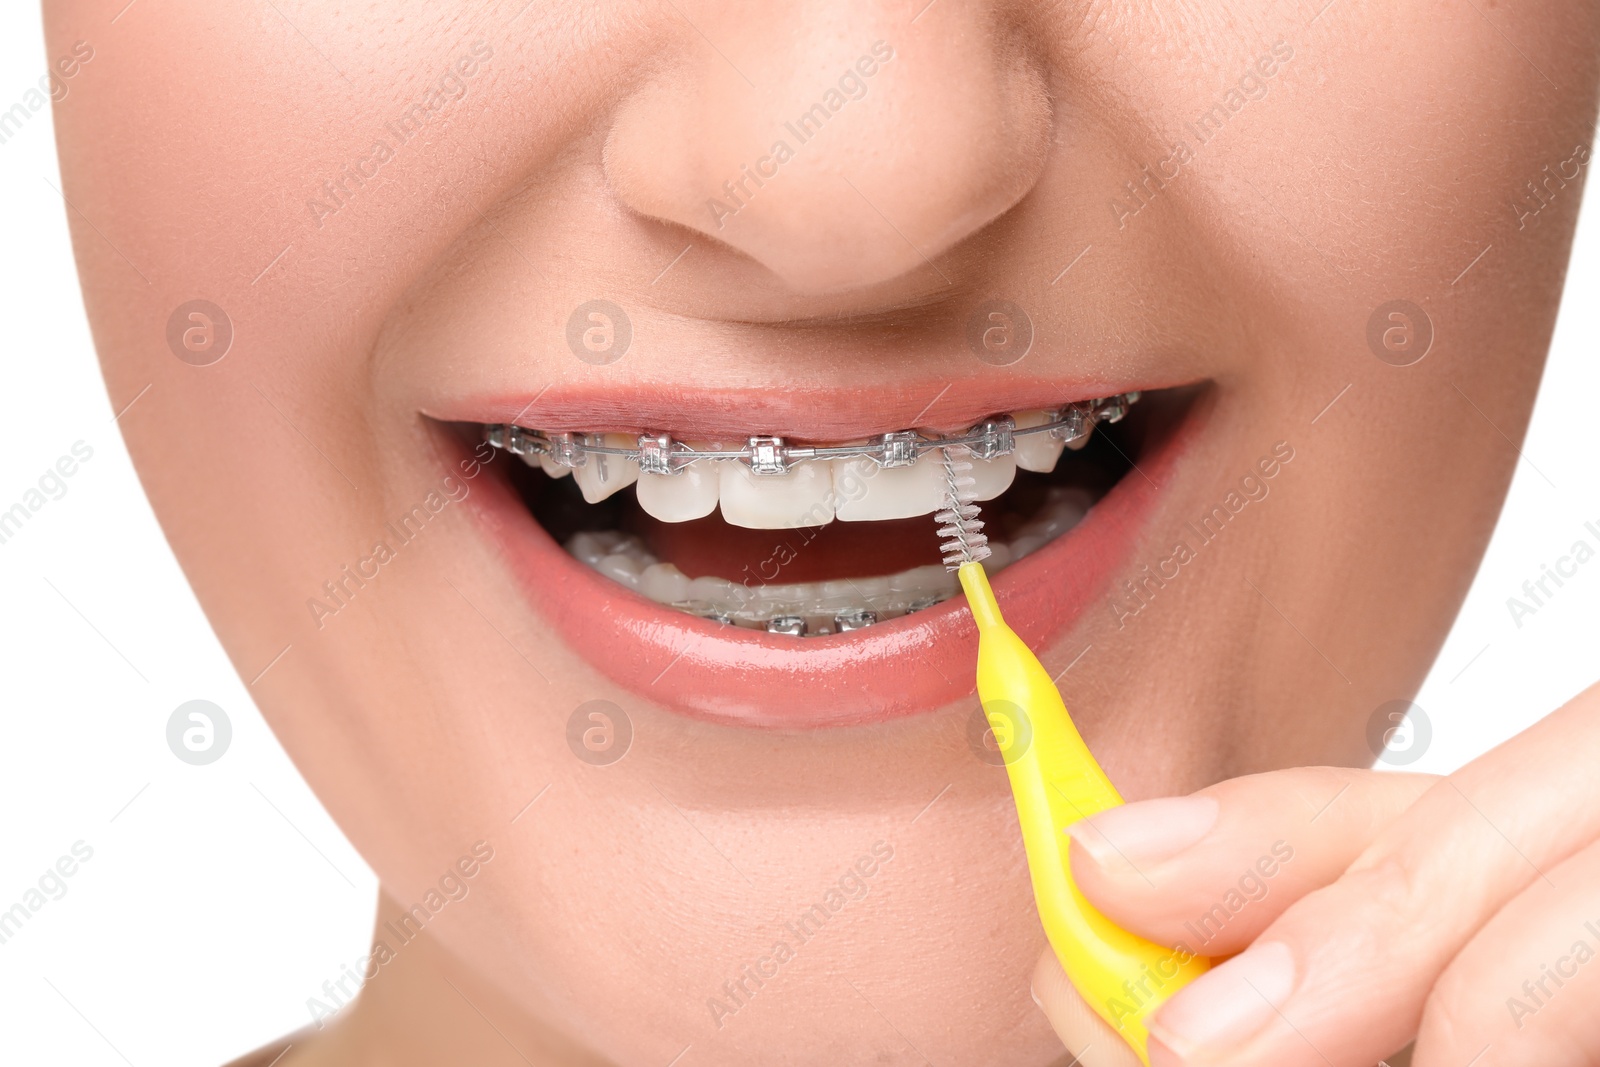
[[1227, 1006], [1034, 993], [1160, 1055], [1146, 831]]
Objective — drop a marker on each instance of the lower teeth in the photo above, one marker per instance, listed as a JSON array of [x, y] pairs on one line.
[[811, 608]]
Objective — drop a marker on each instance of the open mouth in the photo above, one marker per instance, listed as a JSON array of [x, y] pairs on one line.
[[812, 539], [812, 595]]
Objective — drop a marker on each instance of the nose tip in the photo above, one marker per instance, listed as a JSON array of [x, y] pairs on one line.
[[844, 168]]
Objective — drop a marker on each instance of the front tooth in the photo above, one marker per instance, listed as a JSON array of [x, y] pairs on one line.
[[690, 494], [603, 475], [1037, 451], [802, 497], [867, 492], [991, 477]]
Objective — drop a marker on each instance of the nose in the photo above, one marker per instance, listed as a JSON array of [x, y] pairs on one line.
[[837, 144]]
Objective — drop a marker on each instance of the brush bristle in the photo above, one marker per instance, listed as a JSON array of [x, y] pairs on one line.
[[959, 522]]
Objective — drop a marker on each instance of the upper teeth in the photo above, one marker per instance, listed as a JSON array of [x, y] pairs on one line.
[[767, 483]]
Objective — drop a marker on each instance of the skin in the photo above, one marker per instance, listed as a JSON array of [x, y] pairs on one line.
[[1377, 163]]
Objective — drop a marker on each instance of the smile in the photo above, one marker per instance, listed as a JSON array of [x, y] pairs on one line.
[[766, 483], [789, 581]]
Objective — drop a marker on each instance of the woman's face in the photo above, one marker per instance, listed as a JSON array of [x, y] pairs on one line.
[[401, 225]]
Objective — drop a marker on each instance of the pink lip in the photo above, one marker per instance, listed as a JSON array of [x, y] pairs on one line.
[[917, 663]]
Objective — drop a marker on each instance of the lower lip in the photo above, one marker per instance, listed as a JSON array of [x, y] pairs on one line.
[[917, 663]]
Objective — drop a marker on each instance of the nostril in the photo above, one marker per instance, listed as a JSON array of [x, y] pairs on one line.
[[850, 170]]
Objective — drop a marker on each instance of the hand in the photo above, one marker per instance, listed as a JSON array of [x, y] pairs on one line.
[[1366, 909]]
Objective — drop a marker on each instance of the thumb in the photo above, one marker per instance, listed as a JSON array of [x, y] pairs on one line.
[[1086, 1035]]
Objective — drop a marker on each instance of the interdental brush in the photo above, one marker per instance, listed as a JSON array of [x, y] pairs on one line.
[[1055, 782], [959, 520]]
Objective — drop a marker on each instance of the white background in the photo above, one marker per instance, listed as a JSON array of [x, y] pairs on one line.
[[219, 898]]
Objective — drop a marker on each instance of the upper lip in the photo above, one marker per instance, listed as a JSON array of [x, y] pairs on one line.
[[803, 412]]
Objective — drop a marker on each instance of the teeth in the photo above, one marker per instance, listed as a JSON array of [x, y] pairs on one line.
[[866, 493], [920, 582], [620, 567], [991, 477], [1065, 508], [593, 546], [802, 497], [603, 475], [664, 583], [690, 494], [1037, 451], [812, 491], [1024, 545]]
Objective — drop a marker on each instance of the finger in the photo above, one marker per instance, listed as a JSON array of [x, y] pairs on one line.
[[1343, 974], [1086, 1035], [1212, 870], [1525, 987]]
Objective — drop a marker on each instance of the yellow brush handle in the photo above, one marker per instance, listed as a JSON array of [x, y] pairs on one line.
[[1056, 781]]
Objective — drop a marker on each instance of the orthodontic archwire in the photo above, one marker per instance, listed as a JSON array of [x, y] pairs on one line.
[[658, 453], [1055, 782]]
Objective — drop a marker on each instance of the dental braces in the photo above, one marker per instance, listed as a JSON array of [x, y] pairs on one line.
[[659, 453]]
